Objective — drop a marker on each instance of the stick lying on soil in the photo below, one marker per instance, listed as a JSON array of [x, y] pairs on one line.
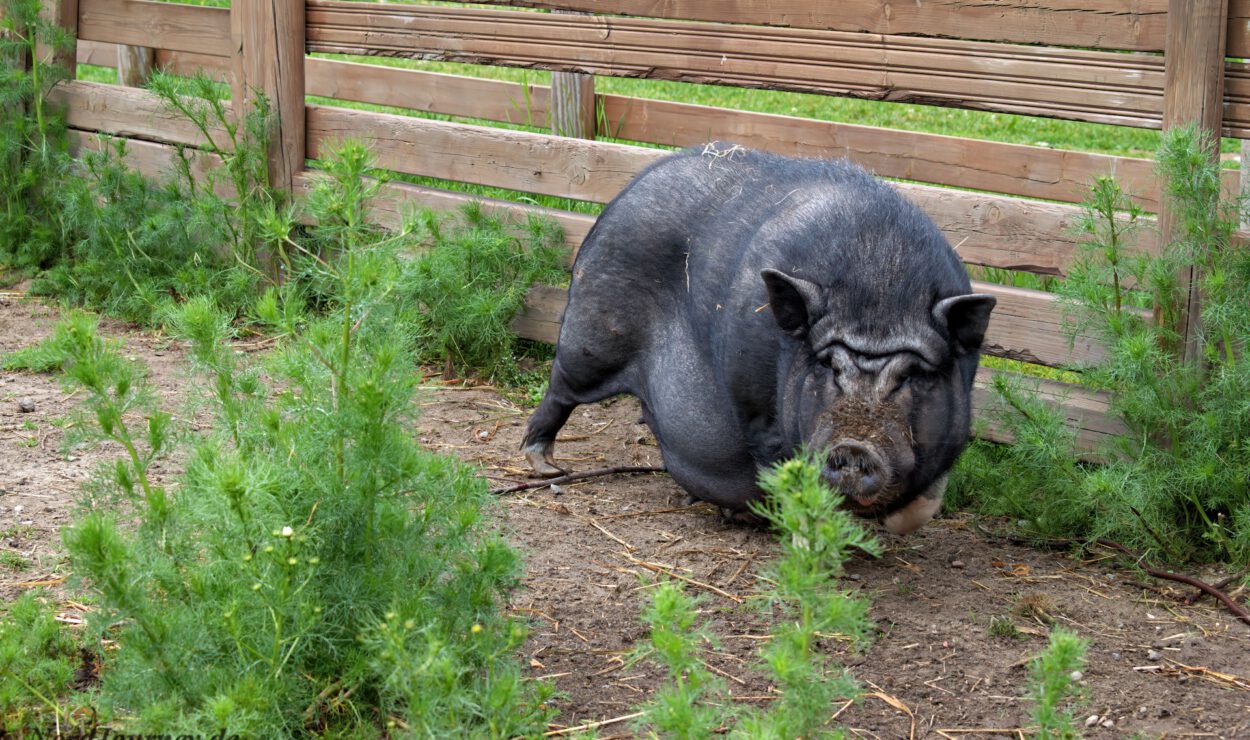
[[577, 476], [1241, 614]]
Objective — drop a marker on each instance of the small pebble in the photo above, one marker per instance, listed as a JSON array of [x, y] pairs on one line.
[[1154, 655], [1076, 675], [1093, 720], [483, 434], [1108, 723], [26, 405], [957, 564], [1115, 656], [855, 577], [556, 490]]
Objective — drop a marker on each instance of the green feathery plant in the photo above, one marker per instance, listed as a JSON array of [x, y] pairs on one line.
[[464, 291], [236, 196], [314, 571], [1053, 682], [33, 146], [38, 663], [807, 605], [1179, 481]]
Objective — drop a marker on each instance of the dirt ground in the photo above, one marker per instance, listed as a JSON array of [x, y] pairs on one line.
[[1157, 667]]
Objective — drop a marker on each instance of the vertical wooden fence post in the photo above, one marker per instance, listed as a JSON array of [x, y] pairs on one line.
[[134, 65], [573, 102], [64, 13], [1193, 94], [268, 41]]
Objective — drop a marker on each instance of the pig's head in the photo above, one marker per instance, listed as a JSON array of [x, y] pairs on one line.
[[877, 385]]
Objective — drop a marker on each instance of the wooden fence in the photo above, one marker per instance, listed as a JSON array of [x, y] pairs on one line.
[[1139, 63]]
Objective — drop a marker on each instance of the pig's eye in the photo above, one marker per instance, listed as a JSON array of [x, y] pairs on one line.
[[918, 378]]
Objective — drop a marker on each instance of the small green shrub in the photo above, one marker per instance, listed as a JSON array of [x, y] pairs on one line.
[[807, 606], [692, 704], [314, 571], [38, 660], [135, 248], [1053, 682], [1179, 481], [466, 288]]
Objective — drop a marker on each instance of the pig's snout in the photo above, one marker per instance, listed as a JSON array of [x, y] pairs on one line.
[[857, 471]]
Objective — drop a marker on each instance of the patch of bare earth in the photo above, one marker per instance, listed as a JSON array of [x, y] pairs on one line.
[[1157, 666]]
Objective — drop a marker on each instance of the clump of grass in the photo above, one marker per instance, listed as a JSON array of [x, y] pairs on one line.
[[134, 248], [1054, 682], [314, 570], [1003, 628], [466, 288], [807, 606], [38, 661], [1178, 483]]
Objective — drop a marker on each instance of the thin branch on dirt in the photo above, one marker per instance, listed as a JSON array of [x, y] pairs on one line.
[[721, 673], [895, 703], [1240, 613], [745, 564], [592, 725], [1220, 584], [601, 528], [578, 476]]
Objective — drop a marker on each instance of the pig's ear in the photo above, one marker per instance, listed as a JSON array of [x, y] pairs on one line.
[[790, 299], [965, 318]]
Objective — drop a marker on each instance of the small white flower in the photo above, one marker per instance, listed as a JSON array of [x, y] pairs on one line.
[[287, 532]]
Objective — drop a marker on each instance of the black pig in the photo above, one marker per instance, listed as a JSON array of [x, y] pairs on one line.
[[758, 305]]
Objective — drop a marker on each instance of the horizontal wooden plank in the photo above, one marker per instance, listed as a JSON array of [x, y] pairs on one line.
[[518, 160], [153, 159], [129, 112], [997, 231], [1025, 325], [1137, 25], [1030, 171], [1014, 169], [1123, 88], [104, 54], [1086, 411], [397, 198], [157, 161], [1028, 325], [161, 25], [453, 95]]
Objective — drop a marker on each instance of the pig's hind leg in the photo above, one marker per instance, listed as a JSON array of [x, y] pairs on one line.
[[562, 396]]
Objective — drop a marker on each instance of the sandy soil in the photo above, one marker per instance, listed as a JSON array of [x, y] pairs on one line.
[[1157, 666]]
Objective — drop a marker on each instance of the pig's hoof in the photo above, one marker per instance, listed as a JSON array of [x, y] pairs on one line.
[[542, 460]]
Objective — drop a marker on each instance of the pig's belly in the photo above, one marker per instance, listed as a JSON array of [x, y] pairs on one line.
[[702, 444]]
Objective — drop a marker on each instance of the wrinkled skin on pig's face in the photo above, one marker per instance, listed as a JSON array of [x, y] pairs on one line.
[[759, 306], [886, 415]]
